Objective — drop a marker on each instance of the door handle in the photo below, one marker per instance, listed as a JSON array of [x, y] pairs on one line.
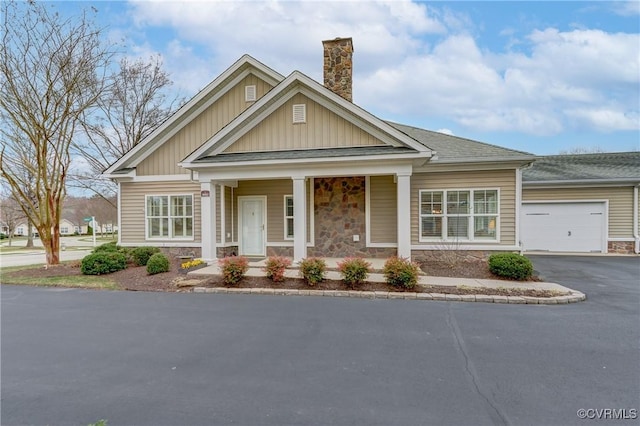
[[569, 234]]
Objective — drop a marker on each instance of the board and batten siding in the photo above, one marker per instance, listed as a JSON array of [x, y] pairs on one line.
[[620, 203], [383, 212], [504, 180], [164, 159], [228, 215], [133, 198], [323, 129]]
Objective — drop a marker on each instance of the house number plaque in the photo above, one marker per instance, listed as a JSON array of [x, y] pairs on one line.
[[204, 193]]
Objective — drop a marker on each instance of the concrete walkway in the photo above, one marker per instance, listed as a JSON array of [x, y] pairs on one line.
[[256, 270]]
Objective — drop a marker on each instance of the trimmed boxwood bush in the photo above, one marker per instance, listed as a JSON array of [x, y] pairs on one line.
[[233, 268], [401, 272], [142, 254], [354, 270], [157, 263], [103, 262], [112, 246], [312, 270], [511, 265]]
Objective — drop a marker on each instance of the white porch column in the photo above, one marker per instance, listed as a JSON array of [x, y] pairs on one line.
[[299, 219], [404, 215], [208, 220]]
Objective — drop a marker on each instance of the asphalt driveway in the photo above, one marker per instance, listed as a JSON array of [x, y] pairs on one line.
[[76, 356]]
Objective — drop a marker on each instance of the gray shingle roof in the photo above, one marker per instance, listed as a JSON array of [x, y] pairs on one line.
[[585, 167], [453, 148], [311, 153]]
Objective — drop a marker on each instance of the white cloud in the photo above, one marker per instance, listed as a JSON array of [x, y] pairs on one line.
[[445, 131], [415, 60], [626, 8]]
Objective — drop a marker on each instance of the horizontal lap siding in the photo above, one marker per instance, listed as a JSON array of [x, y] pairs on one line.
[[164, 160], [504, 180], [620, 204], [383, 212], [323, 129], [132, 199]]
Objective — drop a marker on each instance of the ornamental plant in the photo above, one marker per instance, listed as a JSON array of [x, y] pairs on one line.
[[511, 265], [157, 263], [354, 270], [104, 262], [233, 268], [401, 272], [312, 270], [275, 267], [142, 254], [192, 263]]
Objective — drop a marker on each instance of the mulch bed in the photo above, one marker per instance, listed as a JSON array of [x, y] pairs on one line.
[[135, 278]]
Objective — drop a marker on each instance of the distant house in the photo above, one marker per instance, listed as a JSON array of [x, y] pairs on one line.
[[261, 164], [66, 228], [582, 203]]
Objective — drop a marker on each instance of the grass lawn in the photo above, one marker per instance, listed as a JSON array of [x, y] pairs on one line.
[[79, 281]]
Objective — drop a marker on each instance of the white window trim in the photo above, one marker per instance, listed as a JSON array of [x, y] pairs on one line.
[[169, 237], [471, 215], [285, 197], [299, 112], [250, 93]]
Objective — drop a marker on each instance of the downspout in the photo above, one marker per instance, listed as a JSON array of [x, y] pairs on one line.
[[636, 237], [519, 171]]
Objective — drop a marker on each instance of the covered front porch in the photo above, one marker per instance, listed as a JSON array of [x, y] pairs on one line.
[[331, 213]]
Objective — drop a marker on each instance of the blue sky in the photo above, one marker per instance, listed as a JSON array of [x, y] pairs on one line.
[[535, 76]]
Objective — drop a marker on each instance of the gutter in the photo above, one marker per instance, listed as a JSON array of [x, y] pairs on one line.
[[636, 237]]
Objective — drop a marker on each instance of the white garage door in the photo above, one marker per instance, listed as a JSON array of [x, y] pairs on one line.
[[569, 227]]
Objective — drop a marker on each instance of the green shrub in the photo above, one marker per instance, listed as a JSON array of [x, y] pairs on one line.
[[511, 265], [233, 268], [312, 270], [275, 267], [142, 254], [354, 270], [103, 262], [401, 272], [110, 247], [157, 263]]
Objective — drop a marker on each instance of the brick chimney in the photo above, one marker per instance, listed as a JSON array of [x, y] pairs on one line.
[[338, 66]]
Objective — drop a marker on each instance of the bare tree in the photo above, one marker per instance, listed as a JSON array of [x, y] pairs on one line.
[[11, 215], [52, 71], [582, 150], [135, 102]]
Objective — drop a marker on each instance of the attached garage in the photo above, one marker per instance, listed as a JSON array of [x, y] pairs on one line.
[[576, 226]]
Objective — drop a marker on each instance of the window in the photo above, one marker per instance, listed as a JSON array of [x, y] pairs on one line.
[[288, 217], [64, 229], [466, 215], [170, 216]]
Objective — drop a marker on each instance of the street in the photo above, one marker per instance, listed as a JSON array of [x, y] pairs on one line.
[[77, 356]]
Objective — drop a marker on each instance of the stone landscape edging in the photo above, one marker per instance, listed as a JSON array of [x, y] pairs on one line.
[[572, 297]]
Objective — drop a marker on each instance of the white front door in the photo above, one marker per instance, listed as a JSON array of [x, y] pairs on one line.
[[252, 225]]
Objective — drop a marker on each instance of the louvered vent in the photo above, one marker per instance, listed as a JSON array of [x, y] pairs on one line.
[[299, 113], [250, 93]]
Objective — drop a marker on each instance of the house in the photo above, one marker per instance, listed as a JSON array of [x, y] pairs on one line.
[[262, 164], [582, 203], [66, 228]]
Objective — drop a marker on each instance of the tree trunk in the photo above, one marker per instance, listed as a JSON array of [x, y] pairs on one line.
[[52, 247]]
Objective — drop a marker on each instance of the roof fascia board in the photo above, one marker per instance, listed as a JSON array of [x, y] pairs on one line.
[[278, 162], [243, 63], [580, 182], [432, 166]]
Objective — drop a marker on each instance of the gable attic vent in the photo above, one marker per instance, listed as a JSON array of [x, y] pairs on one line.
[[300, 113], [250, 93]]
